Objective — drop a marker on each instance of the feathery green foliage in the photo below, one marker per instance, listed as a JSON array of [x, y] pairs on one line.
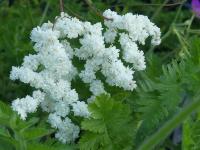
[[191, 134], [109, 127], [162, 97]]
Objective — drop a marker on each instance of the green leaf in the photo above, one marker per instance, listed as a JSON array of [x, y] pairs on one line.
[[91, 141], [8, 141], [110, 126], [5, 146], [191, 135], [60, 146], [94, 125], [5, 109], [39, 146], [3, 131], [5, 114], [23, 125], [36, 133], [160, 98]]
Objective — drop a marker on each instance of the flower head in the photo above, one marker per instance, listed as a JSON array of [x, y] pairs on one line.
[[51, 69], [196, 7]]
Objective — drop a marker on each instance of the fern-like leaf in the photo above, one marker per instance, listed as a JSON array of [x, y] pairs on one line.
[[110, 126]]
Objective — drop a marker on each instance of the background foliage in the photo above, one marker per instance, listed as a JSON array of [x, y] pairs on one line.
[[123, 120]]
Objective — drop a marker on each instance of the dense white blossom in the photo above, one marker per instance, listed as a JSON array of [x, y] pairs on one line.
[[131, 54], [119, 75], [55, 120], [68, 26], [80, 109], [139, 27], [51, 69], [96, 87], [28, 104], [110, 35], [67, 131]]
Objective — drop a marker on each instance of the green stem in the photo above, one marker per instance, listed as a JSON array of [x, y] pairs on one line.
[[159, 9], [170, 125], [179, 11], [30, 13], [93, 8], [44, 13], [189, 25], [74, 14], [194, 31], [181, 40], [22, 144], [167, 34], [21, 141]]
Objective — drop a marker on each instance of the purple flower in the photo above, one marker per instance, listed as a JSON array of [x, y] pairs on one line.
[[196, 7]]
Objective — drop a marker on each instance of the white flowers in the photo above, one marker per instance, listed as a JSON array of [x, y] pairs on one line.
[[51, 70], [67, 130], [28, 104]]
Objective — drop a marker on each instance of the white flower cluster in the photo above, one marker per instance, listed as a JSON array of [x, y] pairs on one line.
[[51, 70]]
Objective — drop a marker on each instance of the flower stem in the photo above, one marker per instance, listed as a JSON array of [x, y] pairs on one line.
[[170, 125], [93, 8], [159, 9], [44, 13], [61, 6]]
